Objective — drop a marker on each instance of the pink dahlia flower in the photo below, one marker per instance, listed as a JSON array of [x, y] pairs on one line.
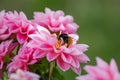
[[56, 21], [19, 26], [66, 52], [22, 59], [5, 49], [23, 75], [4, 31], [102, 71]]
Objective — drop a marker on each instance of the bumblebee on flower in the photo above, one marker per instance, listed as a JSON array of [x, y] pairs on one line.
[[61, 48]]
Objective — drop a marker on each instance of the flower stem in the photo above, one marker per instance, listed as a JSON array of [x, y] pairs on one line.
[[51, 69]]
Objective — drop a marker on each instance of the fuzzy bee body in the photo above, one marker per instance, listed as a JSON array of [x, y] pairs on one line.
[[66, 39]]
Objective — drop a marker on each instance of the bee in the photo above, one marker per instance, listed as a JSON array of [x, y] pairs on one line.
[[67, 40]]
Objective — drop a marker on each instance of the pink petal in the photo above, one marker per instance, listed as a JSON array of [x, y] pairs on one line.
[[113, 67], [48, 11], [82, 47], [58, 14], [22, 38], [62, 27], [13, 27], [76, 70], [52, 56], [3, 29], [54, 22], [101, 63], [23, 16], [66, 57], [62, 65], [42, 29], [117, 76], [98, 72], [33, 44], [39, 54], [83, 58], [75, 62]]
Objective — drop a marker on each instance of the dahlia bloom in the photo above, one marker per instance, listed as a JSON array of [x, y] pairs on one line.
[[22, 59], [67, 54], [5, 48], [23, 75], [56, 21], [19, 26], [14, 24], [102, 71]]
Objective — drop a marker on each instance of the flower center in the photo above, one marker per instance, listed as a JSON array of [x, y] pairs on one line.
[[64, 40]]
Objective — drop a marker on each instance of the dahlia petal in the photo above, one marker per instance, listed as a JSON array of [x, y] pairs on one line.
[[41, 29], [82, 47], [58, 14], [66, 58], [117, 76], [71, 28], [68, 19], [90, 70], [48, 11], [3, 29], [37, 38], [23, 16], [113, 67], [39, 54], [45, 46], [2, 13], [32, 62], [78, 49], [51, 56], [62, 27], [22, 38], [99, 72], [4, 36], [75, 62], [76, 70], [62, 65], [32, 44], [101, 63], [54, 22], [66, 50], [83, 58], [13, 27]]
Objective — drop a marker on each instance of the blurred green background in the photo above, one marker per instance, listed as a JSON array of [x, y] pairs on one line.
[[99, 22]]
